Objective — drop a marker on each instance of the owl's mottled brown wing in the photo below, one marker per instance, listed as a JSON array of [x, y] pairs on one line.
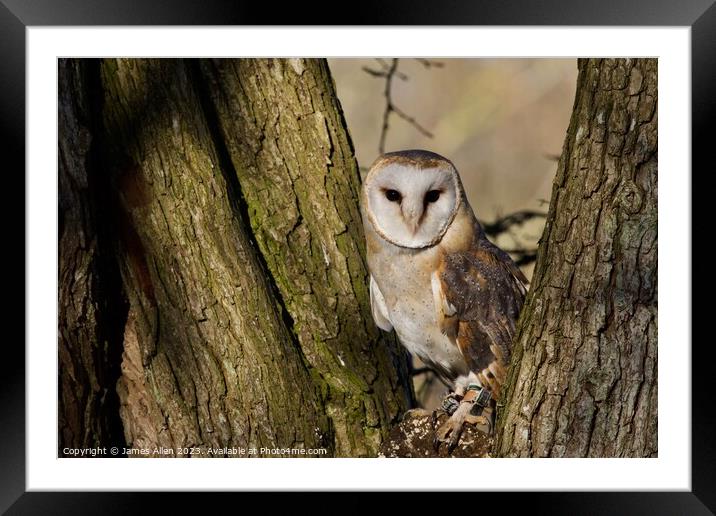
[[478, 295]]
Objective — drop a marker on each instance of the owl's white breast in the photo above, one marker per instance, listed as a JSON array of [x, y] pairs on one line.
[[404, 278]]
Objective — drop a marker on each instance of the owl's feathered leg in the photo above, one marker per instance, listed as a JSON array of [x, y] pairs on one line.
[[474, 408]]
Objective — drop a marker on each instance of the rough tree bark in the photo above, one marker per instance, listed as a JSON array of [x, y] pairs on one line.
[[583, 381], [90, 341], [240, 251], [208, 359]]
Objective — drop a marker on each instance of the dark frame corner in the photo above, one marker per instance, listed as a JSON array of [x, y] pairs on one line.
[[700, 15]]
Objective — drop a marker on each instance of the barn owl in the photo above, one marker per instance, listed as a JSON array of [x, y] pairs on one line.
[[451, 296]]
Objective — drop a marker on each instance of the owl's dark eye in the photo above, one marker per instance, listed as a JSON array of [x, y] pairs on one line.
[[432, 196], [393, 195]]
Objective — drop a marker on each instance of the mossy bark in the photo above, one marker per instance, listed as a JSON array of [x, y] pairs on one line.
[[233, 196], [583, 380]]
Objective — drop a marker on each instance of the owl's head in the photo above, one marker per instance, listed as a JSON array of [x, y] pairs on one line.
[[411, 197]]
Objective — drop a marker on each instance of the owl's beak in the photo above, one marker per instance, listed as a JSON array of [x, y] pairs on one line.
[[412, 215], [413, 226]]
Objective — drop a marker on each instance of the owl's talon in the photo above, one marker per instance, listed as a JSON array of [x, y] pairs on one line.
[[434, 420], [449, 433], [435, 416], [436, 444], [451, 430], [454, 440], [471, 411]]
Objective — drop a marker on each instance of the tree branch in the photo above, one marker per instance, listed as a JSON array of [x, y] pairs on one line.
[[388, 72], [504, 223]]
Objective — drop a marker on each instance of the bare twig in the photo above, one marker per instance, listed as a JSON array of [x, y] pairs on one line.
[[374, 73], [388, 72], [388, 105], [503, 224], [412, 122]]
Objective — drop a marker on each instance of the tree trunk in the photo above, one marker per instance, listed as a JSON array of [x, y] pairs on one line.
[[287, 142], [583, 381], [240, 248], [90, 341]]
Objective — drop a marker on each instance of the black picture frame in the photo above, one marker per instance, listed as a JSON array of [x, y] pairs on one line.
[[700, 15]]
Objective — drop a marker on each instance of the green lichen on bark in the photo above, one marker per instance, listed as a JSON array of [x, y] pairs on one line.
[[583, 380], [213, 364]]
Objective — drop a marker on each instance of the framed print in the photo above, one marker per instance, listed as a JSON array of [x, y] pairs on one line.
[[426, 255]]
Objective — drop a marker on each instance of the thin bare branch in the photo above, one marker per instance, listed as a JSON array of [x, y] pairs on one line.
[[389, 71], [388, 105], [374, 73], [503, 224], [412, 122]]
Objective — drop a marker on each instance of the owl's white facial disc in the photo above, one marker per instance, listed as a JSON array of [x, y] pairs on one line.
[[409, 204]]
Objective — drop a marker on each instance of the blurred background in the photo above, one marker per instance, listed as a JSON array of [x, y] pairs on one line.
[[502, 122]]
